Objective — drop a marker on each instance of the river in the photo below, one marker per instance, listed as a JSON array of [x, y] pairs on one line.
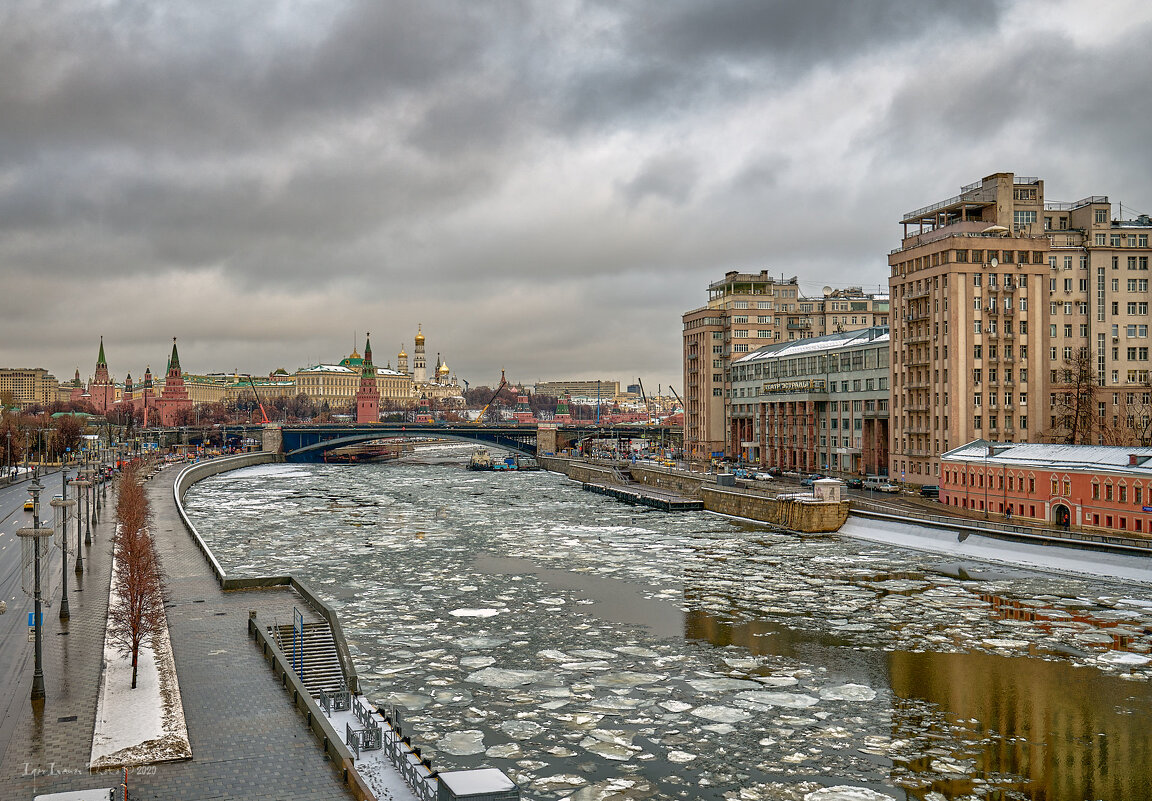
[[594, 650]]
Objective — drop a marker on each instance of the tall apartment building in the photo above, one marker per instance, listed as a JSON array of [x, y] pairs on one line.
[[1000, 300], [27, 385], [746, 312]]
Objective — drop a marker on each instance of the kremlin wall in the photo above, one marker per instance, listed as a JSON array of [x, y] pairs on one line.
[[355, 379]]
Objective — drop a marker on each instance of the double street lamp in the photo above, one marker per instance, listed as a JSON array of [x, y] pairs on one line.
[[35, 543], [61, 508]]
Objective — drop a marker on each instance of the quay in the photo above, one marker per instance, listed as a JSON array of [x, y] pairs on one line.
[[646, 496]]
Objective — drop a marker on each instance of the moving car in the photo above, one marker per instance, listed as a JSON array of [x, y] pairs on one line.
[[855, 483], [930, 491], [29, 506]]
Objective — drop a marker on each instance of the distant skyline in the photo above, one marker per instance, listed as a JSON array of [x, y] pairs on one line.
[[545, 186]]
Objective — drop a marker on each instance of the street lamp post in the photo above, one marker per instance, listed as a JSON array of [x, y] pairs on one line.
[[78, 483], [35, 537], [60, 507], [87, 506]]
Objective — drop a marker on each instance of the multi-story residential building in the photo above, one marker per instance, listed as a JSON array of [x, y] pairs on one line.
[[1017, 319], [745, 312], [27, 385], [1091, 486], [818, 404], [969, 293]]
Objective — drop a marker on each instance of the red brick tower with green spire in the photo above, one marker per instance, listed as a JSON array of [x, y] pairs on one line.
[[368, 395], [174, 397], [102, 392]]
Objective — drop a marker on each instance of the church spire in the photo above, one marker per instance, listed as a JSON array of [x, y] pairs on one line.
[[100, 360]]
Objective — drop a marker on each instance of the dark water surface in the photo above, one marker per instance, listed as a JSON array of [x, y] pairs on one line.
[[592, 650]]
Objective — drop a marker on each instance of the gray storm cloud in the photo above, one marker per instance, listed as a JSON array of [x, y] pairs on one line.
[[545, 186]]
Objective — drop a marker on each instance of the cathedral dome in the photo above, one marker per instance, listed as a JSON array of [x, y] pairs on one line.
[[419, 336]]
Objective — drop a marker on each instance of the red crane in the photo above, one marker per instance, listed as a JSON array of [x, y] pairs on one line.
[[263, 413]]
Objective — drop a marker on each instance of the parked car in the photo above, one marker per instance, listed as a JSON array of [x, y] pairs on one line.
[[887, 486], [855, 483], [930, 491], [808, 481]]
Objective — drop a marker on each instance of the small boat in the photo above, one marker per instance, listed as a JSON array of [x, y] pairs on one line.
[[481, 460]]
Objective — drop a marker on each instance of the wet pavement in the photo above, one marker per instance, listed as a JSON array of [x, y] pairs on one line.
[[247, 740]]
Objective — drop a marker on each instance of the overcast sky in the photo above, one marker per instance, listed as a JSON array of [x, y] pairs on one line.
[[545, 186]]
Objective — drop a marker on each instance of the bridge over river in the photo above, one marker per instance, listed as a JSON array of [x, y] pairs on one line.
[[308, 443]]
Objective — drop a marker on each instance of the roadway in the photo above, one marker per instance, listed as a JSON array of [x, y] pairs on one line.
[[16, 654]]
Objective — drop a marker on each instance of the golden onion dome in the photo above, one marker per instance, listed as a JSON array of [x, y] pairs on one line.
[[419, 336], [444, 368], [402, 354]]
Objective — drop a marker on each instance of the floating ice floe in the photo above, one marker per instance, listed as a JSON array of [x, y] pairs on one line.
[[845, 792], [1123, 658], [721, 685], [462, 743], [476, 612], [506, 679], [721, 714], [772, 698], [848, 692]]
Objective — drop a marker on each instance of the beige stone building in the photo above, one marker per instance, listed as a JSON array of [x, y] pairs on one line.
[[746, 312], [969, 295], [997, 296], [28, 385], [584, 390]]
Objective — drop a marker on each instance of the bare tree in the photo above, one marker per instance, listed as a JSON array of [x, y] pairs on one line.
[[1073, 399], [137, 612]]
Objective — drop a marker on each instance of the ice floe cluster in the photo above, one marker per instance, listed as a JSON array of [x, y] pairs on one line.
[[521, 623]]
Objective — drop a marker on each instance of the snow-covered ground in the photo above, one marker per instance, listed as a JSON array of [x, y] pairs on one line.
[[1126, 567], [143, 725], [374, 766]]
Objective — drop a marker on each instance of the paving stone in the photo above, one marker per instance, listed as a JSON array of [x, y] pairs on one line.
[[247, 739]]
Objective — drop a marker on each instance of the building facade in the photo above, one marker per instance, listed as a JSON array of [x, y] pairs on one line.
[[1105, 487], [1017, 319], [745, 312], [24, 386], [583, 390], [813, 405]]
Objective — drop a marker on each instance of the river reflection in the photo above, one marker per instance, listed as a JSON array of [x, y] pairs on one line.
[[1041, 729]]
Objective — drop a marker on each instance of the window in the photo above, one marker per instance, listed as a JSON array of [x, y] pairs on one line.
[[1100, 216], [976, 351]]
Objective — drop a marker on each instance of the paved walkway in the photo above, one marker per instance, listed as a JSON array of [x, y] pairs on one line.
[[247, 740]]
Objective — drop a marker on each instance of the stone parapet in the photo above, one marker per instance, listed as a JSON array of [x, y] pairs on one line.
[[808, 516]]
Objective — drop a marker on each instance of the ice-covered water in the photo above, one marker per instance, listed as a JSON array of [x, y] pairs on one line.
[[593, 650]]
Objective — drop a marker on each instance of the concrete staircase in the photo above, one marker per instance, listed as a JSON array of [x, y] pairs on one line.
[[321, 666]]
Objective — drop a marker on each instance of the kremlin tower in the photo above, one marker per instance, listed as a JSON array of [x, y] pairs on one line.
[[102, 392], [368, 396], [174, 398]]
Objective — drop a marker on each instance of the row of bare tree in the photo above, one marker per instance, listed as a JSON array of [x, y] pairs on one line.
[[136, 614]]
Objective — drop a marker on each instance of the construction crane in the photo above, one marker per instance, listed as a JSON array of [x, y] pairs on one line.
[[484, 411], [643, 397], [263, 413]]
